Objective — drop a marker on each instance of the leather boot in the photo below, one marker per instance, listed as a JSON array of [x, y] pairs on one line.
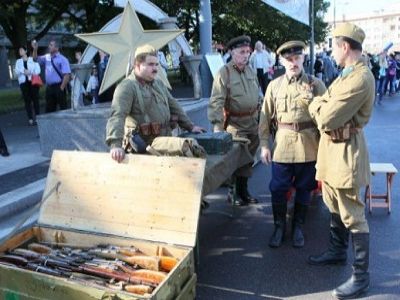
[[233, 195], [279, 211], [243, 192], [358, 283], [338, 243], [299, 217]]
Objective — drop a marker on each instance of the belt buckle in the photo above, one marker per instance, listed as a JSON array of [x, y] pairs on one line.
[[296, 126]]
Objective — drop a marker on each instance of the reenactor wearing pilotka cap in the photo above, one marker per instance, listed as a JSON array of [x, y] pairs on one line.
[[342, 163], [143, 105], [234, 107], [295, 143]]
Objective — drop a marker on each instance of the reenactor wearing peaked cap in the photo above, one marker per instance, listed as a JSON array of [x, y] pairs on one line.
[[234, 106], [342, 163], [295, 145], [143, 105]]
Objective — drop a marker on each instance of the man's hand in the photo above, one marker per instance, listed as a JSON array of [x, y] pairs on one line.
[[117, 154], [198, 129], [265, 155], [218, 128], [34, 44]]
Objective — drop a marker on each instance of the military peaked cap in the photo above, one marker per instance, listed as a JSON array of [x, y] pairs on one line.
[[291, 48], [146, 48], [239, 41], [350, 31]]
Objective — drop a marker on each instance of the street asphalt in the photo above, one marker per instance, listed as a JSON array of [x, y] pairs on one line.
[[234, 260]]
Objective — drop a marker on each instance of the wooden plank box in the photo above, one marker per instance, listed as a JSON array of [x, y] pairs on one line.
[[148, 202]]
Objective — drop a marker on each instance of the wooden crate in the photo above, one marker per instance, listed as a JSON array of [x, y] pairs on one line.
[[147, 202]]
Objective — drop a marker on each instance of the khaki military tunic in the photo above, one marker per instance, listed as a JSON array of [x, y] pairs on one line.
[[244, 93], [282, 99], [244, 98], [136, 102], [349, 98]]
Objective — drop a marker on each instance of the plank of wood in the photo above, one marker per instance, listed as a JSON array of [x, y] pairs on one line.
[[382, 168], [144, 197]]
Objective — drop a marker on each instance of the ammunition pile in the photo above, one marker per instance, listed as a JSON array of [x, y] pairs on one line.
[[121, 268]]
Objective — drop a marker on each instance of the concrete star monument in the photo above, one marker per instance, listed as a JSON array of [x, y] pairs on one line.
[[119, 45]]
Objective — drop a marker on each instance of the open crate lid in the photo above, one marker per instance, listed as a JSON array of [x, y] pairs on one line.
[[144, 197]]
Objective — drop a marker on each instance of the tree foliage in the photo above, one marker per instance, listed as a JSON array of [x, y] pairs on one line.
[[229, 18], [252, 17], [18, 18]]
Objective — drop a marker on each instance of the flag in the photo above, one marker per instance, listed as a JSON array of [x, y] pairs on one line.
[[296, 9]]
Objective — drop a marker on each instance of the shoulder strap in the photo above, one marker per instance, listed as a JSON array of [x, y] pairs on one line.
[[228, 89], [56, 69]]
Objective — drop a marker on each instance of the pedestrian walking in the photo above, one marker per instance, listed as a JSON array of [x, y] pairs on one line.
[[57, 72], [25, 69]]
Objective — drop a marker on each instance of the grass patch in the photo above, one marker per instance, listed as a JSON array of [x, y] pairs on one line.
[[11, 100]]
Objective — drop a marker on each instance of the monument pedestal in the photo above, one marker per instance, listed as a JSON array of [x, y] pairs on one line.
[[85, 129]]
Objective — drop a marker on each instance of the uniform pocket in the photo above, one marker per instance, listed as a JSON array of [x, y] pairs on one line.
[[281, 105], [237, 89]]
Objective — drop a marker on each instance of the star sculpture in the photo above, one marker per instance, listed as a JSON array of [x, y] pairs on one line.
[[119, 45]]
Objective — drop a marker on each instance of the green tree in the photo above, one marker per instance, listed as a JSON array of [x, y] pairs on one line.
[[25, 20], [252, 17]]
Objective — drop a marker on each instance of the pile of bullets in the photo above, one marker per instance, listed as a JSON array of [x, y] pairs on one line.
[[120, 268]]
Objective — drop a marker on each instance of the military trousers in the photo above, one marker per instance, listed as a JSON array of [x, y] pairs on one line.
[[301, 176], [347, 203], [247, 170]]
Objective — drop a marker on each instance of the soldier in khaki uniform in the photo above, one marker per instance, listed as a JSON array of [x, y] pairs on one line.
[[296, 141], [234, 106], [143, 105], [342, 163]]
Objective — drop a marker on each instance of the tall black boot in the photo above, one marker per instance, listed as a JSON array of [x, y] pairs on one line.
[[243, 191], [279, 211], [338, 243], [299, 218], [235, 193], [358, 283], [3, 146]]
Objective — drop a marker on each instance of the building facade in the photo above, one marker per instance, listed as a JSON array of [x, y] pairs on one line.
[[381, 28]]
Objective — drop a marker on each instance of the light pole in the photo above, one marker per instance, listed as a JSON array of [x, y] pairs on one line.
[[311, 36], [205, 46]]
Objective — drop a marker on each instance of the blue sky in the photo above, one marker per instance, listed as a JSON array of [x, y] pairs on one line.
[[349, 7]]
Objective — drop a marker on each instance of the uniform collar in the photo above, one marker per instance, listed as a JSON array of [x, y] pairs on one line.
[[142, 81], [294, 78], [235, 67]]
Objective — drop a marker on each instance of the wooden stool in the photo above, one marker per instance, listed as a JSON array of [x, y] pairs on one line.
[[389, 170]]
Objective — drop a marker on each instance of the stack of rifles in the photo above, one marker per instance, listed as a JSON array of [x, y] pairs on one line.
[[120, 268]]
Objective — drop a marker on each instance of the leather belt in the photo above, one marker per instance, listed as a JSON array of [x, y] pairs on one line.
[[244, 113], [297, 126], [353, 130]]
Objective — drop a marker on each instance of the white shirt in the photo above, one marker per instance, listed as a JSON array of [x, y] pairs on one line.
[[93, 83], [32, 66]]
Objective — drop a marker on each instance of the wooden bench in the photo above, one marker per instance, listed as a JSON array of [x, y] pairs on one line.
[[388, 169]]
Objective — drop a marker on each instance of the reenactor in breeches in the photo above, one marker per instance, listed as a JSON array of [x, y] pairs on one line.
[[234, 106], [342, 163], [295, 144]]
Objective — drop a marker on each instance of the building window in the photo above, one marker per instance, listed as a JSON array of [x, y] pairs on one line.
[[392, 27]]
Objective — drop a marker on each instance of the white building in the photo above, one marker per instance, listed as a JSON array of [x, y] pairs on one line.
[[381, 28]]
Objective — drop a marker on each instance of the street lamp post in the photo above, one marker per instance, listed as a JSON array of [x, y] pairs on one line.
[[312, 36], [205, 46]]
